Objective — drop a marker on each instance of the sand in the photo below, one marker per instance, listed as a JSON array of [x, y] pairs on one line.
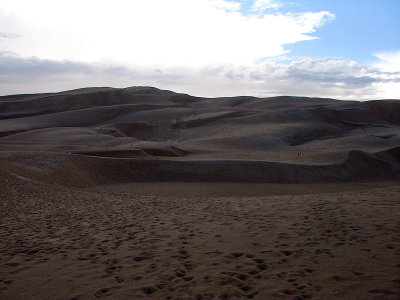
[[199, 241], [143, 193]]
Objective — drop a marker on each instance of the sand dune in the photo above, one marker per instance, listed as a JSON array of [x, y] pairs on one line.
[[144, 193], [181, 137]]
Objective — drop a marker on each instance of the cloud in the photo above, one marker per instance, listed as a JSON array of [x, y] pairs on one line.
[[14, 68], [152, 32], [301, 76], [7, 35], [200, 47], [388, 61], [226, 5], [317, 77], [261, 5]]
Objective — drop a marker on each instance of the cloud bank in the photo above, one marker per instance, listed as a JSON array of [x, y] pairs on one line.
[[322, 77]]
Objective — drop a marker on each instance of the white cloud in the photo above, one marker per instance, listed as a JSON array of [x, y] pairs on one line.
[[229, 6], [260, 5], [151, 32], [388, 61]]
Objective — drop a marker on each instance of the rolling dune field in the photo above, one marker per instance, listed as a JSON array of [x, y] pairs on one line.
[[146, 193]]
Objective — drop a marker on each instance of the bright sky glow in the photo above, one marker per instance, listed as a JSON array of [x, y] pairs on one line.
[[201, 47]]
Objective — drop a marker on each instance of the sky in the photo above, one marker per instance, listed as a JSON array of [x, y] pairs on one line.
[[343, 49]]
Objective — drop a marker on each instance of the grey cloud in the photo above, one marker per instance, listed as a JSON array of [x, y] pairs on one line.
[[234, 75], [330, 78], [33, 74], [14, 68], [8, 35], [303, 76], [332, 72], [326, 72]]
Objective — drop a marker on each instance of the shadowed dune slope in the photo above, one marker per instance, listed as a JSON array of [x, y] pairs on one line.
[[109, 135]]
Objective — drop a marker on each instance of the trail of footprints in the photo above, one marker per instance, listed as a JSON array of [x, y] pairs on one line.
[[151, 246]]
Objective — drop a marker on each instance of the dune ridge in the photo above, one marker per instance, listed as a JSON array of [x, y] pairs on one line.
[[87, 170]]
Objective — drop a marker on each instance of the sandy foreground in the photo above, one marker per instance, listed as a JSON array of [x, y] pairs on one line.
[[199, 241]]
